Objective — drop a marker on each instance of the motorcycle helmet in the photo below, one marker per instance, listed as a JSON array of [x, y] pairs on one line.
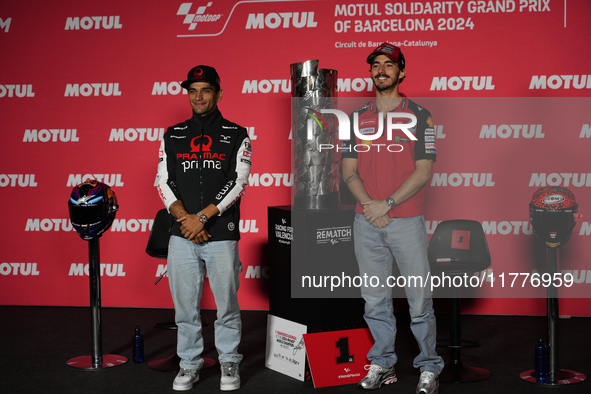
[[92, 207], [553, 215]]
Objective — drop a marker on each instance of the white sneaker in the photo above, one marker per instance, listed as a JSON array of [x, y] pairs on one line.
[[230, 379], [185, 379], [428, 383], [377, 376]]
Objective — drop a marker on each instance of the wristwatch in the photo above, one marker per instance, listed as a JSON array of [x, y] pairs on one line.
[[390, 202], [202, 217]]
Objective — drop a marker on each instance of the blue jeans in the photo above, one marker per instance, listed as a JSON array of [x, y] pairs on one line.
[[187, 263], [403, 239]]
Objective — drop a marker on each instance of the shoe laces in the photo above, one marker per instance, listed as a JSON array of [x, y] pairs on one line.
[[184, 372], [427, 376], [229, 369], [373, 369]]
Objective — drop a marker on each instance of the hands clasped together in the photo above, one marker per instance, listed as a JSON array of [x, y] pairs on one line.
[[377, 212], [193, 229]]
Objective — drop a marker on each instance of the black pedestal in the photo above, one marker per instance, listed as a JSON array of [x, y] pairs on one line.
[[306, 243], [96, 360], [556, 376]]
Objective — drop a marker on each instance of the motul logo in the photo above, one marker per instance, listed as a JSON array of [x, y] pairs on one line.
[[283, 19], [132, 225], [138, 134], [431, 225], [514, 131], [463, 179], [560, 179], [23, 269], [5, 24], [14, 180], [506, 228], [560, 82], [267, 180], [248, 226], [16, 90], [92, 89], [53, 135], [251, 133], [109, 179], [284, 85], [355, 85], [267, 86], [465, 83], [256, 272], [164, 88], [93, 22], [48, 225], [105, 269]]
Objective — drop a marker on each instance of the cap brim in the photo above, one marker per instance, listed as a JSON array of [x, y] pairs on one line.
[[187, 84], [373, 55]]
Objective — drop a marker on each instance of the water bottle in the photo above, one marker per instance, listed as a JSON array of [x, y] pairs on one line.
[[541, 370], [138, 346]]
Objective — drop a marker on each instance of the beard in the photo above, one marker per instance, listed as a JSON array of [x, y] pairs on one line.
[[386, 86]]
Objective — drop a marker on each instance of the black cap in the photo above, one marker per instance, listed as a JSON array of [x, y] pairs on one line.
[[202, 74]]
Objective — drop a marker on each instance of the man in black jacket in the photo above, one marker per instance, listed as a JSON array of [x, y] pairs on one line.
[[202, 174]]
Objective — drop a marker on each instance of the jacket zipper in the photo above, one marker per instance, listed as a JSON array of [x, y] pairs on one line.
[[201, 163]]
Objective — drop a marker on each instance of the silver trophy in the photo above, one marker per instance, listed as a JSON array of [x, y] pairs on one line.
[[314, 156]]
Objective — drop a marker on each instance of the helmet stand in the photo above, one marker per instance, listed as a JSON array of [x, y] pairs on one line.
[[96, 360], [556, 376]]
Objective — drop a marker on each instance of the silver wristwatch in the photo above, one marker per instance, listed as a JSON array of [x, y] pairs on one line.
[[390, 202], [202, 217]]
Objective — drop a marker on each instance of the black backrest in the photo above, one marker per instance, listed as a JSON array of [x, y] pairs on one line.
[[463, 242], [160, 234]]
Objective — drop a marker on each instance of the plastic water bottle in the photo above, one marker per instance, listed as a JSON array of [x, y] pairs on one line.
[[138, 346], [541, 370]]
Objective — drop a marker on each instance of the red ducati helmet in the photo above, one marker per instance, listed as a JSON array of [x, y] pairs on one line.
[[92, 206], [553, 215]]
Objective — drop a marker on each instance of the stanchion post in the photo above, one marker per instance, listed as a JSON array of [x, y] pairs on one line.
[[552, 312], [94, 274], [96, 360]]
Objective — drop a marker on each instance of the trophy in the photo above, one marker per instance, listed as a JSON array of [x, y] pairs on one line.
[[314, 164]]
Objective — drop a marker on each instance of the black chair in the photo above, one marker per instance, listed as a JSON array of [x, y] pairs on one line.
[[159, 235], [458, 247], [158, 247]]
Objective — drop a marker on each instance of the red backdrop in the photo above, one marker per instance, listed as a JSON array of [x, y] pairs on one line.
[[89, 88]]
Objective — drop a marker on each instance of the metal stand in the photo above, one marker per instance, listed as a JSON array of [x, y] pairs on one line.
[[96, 360], [555, 376], [456, 371]]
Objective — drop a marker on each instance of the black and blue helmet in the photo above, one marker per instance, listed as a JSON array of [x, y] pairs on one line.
[[92, 207]]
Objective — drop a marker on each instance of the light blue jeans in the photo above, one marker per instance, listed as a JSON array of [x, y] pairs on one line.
[[187, 263], [403, 239]]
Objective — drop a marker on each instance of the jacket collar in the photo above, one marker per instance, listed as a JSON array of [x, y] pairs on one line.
[[207, 120]]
